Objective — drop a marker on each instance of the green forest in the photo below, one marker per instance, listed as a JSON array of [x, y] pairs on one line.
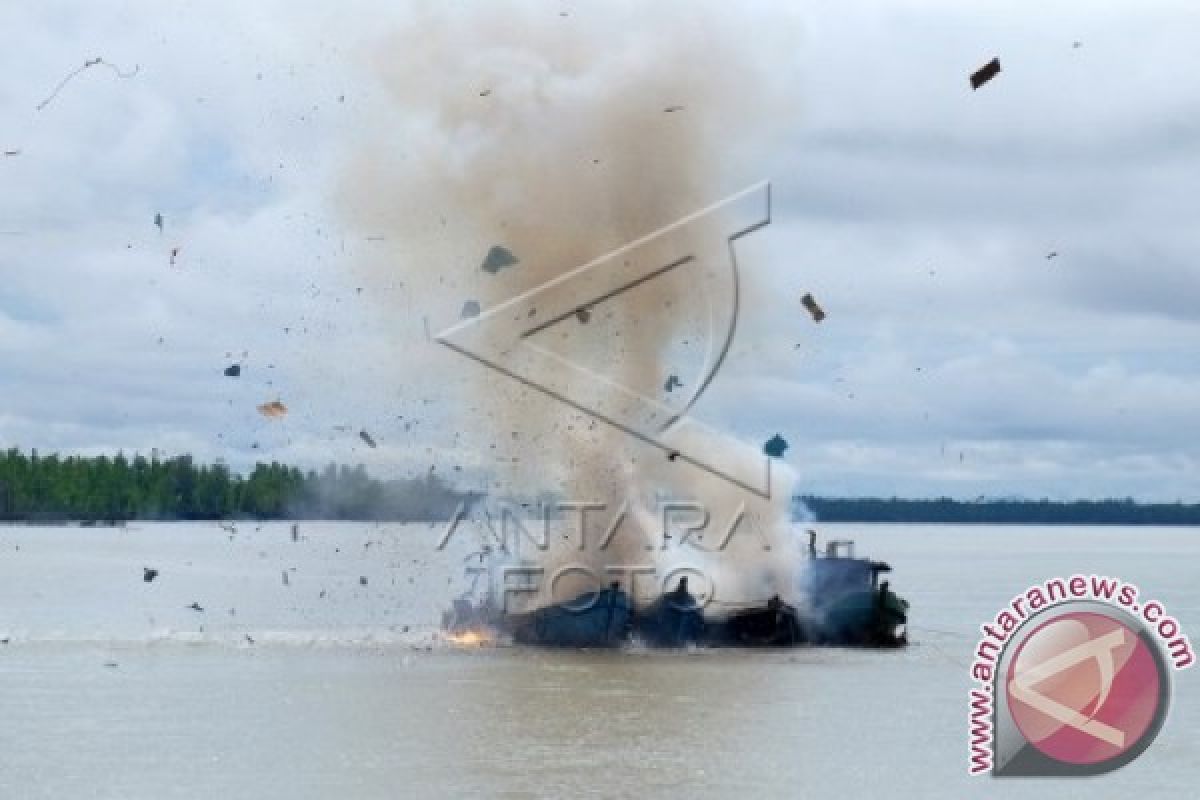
[[121, 488], [1123, 511], [50, 487]]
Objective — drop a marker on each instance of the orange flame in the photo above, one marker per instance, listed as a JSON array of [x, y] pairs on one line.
[[472, 638]]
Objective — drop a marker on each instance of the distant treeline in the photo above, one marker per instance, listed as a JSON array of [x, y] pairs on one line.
[[120, 488], [1000, 512], [51, 487]]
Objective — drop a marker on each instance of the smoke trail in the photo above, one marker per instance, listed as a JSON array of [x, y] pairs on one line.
[[562, 137]]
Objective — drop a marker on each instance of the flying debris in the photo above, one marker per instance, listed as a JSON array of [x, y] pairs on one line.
[[149, 574], [12, 152], [583, 315], [158, 221], [985, 73], [1051, 254], [673, 382], [775, 446], [497, 259], [848, 606], [174, 255], [196, 607], [366, 437], [672, 109], [86, 65], [233, 371], [273, 409], [469, 309], [810, 304], [1076, 45]]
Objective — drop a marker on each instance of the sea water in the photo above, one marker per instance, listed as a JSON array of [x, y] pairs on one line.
[[333, 683]]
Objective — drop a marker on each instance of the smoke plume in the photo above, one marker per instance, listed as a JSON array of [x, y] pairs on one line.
[[560, 134]]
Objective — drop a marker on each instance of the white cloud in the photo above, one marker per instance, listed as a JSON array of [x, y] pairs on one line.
[[919, 213]]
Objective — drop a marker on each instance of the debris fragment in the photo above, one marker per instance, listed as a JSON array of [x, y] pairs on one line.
[[497, 259], [775, 446], [149, 574], [362, 580], [196, 607], [583, 315], [285, 577], [810, 304], [1076, 45], [111, 664], [672, 109], [985, 73], [485, 92], [86, 65], [12, 153], [233, 371], [469, 309], [158, 221], [366, 437], [174, 254], [673, 382], [273, 409], [295, 532], [1051, 254]]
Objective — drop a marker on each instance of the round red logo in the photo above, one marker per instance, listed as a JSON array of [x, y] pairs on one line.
[[1085, 688]]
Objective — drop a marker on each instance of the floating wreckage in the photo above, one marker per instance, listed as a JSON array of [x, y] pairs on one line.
[[813, 307], [498, 258], [846, 605], [985, 73], [274, 409]]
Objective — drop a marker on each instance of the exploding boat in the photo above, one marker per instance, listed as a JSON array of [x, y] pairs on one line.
[[850, 605], [777, 624], [592, 619], [600, 618], [676, 619], [844, 604]]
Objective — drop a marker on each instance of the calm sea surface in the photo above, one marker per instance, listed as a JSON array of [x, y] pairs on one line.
[[330, 683]]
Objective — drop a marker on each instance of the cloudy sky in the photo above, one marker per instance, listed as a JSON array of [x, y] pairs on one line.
[[1011, 275]]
